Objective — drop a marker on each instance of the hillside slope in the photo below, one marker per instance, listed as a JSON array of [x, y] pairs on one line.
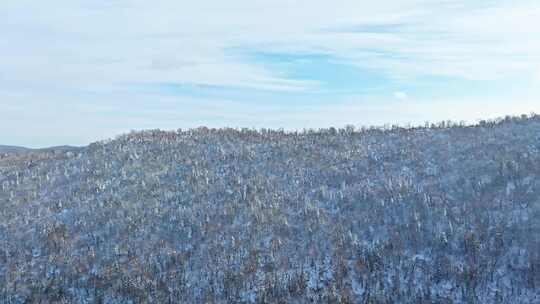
[[447, 214]]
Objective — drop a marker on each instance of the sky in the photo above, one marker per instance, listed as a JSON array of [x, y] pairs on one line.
[[77, 71]]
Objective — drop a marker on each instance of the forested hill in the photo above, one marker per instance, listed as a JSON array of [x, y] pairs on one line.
[[441, 214]]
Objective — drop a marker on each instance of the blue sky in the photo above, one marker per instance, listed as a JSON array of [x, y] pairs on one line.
[[77, 71]]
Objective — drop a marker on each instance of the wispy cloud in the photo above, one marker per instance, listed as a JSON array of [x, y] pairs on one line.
[[250, 57]]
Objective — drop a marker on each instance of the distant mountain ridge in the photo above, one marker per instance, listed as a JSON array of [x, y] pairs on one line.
[[11, 149], [19, 149]]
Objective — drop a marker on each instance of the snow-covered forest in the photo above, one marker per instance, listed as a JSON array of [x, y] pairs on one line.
[[446, 213]]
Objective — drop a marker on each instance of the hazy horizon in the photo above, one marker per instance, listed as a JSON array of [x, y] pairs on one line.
[[356, 126]]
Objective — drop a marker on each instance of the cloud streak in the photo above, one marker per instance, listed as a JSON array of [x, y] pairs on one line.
[[77, 56]]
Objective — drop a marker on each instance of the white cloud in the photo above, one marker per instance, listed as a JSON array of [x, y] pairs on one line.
[[50, 52], [400, 95], [80, 42]]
